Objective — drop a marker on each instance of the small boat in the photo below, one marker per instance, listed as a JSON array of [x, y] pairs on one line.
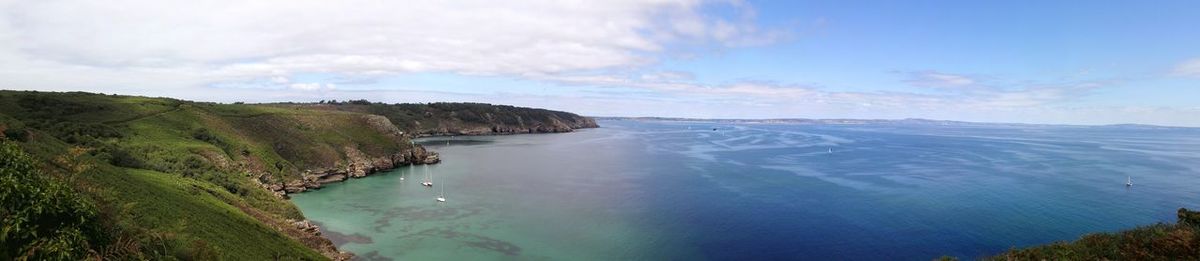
[[1128, 181], [830, 150], [442, 195], [428, 178]]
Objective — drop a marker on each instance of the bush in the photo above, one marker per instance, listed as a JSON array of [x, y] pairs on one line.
[[1188, 217], [205, 135], [42, 218], [16, 132], [118, 156]]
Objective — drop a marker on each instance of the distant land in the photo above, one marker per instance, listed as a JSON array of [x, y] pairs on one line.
[[909, 121]]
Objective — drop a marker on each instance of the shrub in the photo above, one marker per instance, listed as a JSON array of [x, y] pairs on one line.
[[1188, 217], [121, 157], [42, 218], [16, 132]]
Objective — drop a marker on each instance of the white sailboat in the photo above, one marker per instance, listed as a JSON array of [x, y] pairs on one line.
[[830, 150], [1128, 181], [428, 178], [442, 195]]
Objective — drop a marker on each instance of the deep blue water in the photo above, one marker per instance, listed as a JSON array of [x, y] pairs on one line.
[[676, 190]]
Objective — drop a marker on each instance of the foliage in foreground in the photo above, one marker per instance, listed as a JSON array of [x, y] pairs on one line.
[[1179, 241], [40, 218]]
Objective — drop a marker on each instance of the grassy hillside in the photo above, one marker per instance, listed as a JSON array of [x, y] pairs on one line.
[[200, 214], [160, 178], [464, 118], [188, 171]]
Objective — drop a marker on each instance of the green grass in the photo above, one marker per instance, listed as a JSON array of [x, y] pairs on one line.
[[198, 211]]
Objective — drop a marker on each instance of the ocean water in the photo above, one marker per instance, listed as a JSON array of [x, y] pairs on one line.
[[638, 190]]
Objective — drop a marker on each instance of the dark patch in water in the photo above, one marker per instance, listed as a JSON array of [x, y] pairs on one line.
[[340, 239], [372, 256], [381, 223], [472, 240], [417, 214], [453, 142]]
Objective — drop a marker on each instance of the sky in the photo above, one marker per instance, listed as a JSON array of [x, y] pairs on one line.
[[1060, 62]]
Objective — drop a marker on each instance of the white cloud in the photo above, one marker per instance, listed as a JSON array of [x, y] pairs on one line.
[[1189, 68], [940, 79], [280, 80], [312, 86], [216, 41], [786, 100]]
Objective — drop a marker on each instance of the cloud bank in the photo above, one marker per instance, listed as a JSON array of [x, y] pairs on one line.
[[225, 50], [215, 41]]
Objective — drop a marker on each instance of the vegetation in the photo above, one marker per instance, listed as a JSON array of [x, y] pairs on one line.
[[92, 176], [468, 118], [42, 219], [1179, 241]]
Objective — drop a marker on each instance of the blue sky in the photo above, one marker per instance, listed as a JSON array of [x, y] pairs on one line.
[[1102, 62]]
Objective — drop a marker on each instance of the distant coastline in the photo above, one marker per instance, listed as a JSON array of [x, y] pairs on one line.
[[908, 121]]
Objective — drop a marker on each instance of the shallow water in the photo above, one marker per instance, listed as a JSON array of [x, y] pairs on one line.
[[661, 191]]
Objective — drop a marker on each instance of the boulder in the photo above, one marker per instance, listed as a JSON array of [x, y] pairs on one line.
[[307, 227], [382, 163], [331, 178], [295, 186]]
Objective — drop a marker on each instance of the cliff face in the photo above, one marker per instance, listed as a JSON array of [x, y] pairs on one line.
[[357, 165]]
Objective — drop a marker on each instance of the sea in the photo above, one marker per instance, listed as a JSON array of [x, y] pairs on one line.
[[672, 190]]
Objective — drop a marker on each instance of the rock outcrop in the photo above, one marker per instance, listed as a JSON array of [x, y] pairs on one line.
[[358, 165], [310, 233]]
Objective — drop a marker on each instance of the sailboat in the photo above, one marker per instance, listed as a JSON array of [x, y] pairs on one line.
[[1128, 181], [442, 195], [428, 178], [830, 150]]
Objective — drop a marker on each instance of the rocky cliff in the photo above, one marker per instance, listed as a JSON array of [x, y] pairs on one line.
[[357, 165]]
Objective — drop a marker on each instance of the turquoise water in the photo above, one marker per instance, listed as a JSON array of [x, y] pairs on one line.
[[661, 191]]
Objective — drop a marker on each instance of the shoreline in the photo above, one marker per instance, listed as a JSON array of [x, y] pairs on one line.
[[361, 167]]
